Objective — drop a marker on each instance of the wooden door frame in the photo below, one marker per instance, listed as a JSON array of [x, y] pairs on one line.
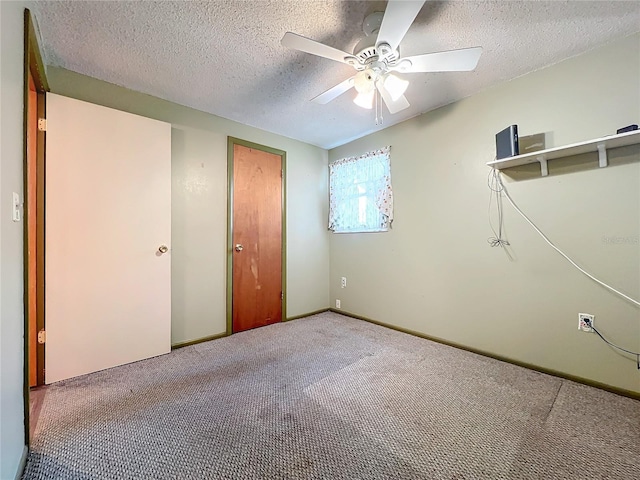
[[33, 65], [231, 142]]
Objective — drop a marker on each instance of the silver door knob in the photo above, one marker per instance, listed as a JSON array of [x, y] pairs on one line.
[[163, 249], [239, 247]]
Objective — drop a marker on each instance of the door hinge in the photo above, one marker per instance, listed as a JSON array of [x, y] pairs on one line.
[[281, 295], [42, 124], [42, 337]]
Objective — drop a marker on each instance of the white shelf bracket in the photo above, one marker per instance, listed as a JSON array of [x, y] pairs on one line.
[[602, 155], [544, 171]]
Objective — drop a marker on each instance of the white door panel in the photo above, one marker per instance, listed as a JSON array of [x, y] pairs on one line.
[[108, 209]]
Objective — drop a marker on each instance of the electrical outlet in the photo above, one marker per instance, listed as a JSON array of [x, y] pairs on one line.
[[585, 322], [343, 282], [337, 303]]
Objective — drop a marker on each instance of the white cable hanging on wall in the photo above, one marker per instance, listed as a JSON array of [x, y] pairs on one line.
[[499, 187]]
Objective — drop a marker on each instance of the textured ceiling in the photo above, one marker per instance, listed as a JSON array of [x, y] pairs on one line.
[[224, 57]]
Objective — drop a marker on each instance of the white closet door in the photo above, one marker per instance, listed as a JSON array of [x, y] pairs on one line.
[[108, 211]]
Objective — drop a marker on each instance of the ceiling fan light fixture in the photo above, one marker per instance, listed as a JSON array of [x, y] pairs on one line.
[[395, 86], [364, 81], [365, 100]]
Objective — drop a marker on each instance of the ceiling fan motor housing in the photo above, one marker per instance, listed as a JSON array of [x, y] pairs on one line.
[[366, 52]]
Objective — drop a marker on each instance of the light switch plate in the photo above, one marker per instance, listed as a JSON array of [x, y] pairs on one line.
[[16, 207]]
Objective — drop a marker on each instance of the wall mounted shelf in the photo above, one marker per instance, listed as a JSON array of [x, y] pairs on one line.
[[600, 145]]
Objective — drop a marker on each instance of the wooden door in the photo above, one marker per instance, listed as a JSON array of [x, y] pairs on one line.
[[257, 246], [108, 199]]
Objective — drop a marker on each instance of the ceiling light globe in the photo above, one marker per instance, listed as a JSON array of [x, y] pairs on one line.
[[364, 81], [395, 86], [365, 100]]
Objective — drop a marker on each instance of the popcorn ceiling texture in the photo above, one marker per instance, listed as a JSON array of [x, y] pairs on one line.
[[224, 57]]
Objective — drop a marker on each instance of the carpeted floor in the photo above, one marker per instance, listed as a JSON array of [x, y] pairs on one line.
[[330, 397]]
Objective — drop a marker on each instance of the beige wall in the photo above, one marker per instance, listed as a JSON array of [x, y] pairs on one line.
[[12, 441], [199, 206], [434, 273]]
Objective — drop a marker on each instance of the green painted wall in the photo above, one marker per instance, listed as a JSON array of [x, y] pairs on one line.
[[199, 206], [435, 273]]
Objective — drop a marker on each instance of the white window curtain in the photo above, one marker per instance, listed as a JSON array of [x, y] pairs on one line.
[[360, 194]]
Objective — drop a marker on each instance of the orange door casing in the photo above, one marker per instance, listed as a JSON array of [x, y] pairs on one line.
[[31, 189]]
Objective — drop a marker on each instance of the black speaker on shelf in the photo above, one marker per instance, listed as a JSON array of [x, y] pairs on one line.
[[628, 128], [507, 142]]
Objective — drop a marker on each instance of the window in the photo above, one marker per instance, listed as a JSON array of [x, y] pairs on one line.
[[360, 195]]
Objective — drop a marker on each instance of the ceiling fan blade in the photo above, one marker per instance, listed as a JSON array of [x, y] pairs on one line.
[[334, 92], [393, 106], [397, 19], [298, 42], [463, 60]]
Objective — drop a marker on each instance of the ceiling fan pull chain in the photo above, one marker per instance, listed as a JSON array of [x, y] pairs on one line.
[[377, 114]]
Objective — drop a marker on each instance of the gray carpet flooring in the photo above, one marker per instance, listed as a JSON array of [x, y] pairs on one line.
[[330, 397]]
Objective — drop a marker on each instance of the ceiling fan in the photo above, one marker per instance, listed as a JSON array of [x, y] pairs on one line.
[[377, 57]]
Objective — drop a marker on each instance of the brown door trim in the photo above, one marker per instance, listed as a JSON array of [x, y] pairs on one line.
[[34, 66], [231, 141], [30, 202]]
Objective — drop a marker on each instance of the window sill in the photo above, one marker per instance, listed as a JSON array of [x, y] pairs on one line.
[[381, 230]]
